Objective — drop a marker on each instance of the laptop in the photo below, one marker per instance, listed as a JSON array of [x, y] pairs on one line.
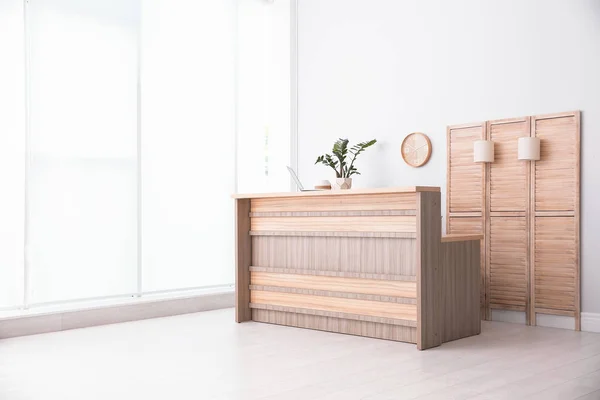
[[298, 183]]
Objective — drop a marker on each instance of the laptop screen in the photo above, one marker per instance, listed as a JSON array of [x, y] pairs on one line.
[[295, 178]]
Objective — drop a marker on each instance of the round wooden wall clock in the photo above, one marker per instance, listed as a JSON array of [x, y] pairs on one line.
[[416, 149]]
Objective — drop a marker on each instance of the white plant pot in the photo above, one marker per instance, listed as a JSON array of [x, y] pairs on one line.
[[342, 184]]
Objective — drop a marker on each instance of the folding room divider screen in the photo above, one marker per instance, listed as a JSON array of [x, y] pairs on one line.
[[528, 211]]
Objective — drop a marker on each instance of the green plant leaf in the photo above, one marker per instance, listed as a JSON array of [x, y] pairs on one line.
[[337, 160], [355, 151]]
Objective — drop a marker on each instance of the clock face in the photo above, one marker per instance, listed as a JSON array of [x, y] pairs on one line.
[[416, 149]]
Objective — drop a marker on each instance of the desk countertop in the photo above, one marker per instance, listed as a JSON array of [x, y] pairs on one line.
[[410, 189], [461, 237]]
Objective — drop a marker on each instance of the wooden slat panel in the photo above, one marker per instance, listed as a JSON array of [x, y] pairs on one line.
[[508, 214], [462, 237], [372, 202], [555, 213], [461, 289], [508, 175], [465, 225], [336, 284], [465, 193], [343, 295], [334, 224], [555, 252], [334, 304], [333, 314], [556, 183], [465, 214], [508, 262], [469, 225], [388, 256], [555, 312], [465, 190], [386, 277], [338, 325], [332, 213], [402, 235]]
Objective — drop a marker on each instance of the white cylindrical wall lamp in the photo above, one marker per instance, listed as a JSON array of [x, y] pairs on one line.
[[529, 148], [483, 151]]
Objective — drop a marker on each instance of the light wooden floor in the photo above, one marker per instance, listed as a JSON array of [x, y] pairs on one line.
[[207, 356]]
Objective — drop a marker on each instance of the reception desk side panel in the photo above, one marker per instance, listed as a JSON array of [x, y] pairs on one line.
[[461, 289], [243, 258], [429, 271]]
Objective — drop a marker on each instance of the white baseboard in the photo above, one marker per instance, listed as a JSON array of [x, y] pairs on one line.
[[555, 321], [543, 320], [590, 322], [74, 319], [513, 317]]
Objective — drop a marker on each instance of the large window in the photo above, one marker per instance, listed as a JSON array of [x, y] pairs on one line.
[[83, 134], [118, 151], [188, 147], [264, 76]]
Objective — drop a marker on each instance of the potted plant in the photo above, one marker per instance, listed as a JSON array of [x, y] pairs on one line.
[[337, 161]]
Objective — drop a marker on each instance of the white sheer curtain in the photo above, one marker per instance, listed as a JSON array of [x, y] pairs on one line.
[[126, 158], [188, 143], [12, 152], [83, 144], [263, 95]]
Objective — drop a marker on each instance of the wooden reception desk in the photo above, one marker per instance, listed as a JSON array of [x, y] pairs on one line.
[[368, 262]]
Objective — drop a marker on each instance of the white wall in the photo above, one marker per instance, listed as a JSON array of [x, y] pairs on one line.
[[385, 68]]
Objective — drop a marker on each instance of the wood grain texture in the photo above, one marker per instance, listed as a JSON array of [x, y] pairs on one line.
[[528, 213], [508, 174], [564, 313], [460, 238], [556, 173], [468, 225], [333, 314], [526, 192], [388, 256], [556, 269], [531, 315], [466, 184], [364, 202], [403, 223], [376, 213], [338, 325], [555, 193], [465, 225], [461, 276], [464, 180], [334, 304], [493, 214], [351, 192], [429, 274], [343, 295], [402, 235], [375, 279], [243, 259], [336, 284], [508, 265], [554, 214], [340, 274]]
